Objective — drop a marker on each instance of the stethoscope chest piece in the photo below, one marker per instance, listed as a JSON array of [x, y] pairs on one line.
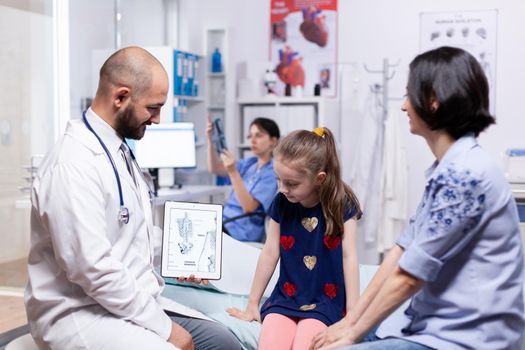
[[123, 215]]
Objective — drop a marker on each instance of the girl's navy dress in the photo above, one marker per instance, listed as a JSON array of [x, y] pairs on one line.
[[311, 280]]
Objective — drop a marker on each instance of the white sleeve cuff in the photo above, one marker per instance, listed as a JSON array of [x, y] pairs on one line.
[[154, 318], [165, 331]]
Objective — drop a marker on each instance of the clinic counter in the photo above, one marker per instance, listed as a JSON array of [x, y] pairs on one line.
[[187, 193]]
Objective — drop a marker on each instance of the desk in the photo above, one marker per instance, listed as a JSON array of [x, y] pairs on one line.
[[187, 193]]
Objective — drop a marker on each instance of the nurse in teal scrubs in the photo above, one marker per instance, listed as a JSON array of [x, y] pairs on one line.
[[253, 179]]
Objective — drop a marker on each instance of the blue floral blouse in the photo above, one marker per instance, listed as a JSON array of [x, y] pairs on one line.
[[464, 242]]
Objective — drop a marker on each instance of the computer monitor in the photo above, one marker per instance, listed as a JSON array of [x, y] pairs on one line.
[[167, 145]]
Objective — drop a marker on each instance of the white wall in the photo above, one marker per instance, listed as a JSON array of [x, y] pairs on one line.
[[247, 26], [371, 31], [368, 32], [248, 20], [92, 26]]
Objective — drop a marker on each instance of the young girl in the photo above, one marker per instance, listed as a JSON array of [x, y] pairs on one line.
[[313, 230]]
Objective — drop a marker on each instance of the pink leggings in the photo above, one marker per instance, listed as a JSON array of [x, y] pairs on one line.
[[281, 332]]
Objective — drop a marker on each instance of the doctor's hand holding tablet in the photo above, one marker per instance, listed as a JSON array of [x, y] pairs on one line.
[[193, 279]]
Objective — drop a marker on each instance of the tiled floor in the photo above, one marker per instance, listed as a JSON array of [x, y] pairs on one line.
[[13, 278]]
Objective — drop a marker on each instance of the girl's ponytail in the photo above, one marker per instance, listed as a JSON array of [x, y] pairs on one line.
[[335, 195]]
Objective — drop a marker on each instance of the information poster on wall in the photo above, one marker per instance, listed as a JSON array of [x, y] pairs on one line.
[[473, 31], [303, 46]]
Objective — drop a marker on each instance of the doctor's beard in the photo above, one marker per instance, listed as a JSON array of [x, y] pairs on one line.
[[126, 125]]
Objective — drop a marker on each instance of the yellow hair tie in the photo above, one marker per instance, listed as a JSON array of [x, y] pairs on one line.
[[319, 131]]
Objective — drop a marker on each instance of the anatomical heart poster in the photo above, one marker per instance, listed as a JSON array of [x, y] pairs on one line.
[[303, 46]]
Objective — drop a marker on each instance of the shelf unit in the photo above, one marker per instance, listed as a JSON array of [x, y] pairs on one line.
[[290, 113], [188, 98], [216, 38], [220, 98], [189, 106]]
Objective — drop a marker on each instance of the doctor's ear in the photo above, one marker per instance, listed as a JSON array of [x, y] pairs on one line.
[[120, 96]]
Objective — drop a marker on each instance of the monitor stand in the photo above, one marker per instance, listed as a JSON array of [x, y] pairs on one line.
[[166, 178]]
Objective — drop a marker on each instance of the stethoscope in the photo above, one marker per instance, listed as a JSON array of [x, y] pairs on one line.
[[123, 213]]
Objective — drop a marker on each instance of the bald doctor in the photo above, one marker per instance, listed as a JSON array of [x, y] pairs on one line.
[[92, 284]]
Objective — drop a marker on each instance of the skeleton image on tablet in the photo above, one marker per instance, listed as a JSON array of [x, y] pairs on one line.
[[186, 234], [207, 258], [190, 240]]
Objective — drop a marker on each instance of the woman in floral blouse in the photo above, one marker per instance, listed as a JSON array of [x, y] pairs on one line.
[[460, 258]]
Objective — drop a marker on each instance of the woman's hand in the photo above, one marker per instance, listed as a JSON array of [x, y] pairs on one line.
[[335, 334], [192, 279], [343, 342], [229, 161], [209, 129], [250, 314]]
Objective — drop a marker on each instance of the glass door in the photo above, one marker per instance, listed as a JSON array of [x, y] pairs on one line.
[[27, 131]]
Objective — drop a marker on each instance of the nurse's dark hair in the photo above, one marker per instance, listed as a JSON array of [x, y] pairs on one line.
[[309, 153], [131, 67], [268, 126], [455, 80]]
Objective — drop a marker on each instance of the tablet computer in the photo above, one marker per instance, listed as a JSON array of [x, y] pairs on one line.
[[192, 240], [218, 137]]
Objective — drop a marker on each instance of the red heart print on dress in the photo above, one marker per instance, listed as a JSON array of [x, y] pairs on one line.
[[331, 241], [330, 289], [287, 242], [290, 288]]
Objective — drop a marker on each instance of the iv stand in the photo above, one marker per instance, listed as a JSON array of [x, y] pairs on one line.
[[387, 75]]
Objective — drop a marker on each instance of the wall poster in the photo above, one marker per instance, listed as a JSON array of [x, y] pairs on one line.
[[473, 31], [303, 46]]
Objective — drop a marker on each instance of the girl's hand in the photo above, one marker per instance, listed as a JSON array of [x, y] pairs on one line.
[[250, 314], [228, 160]]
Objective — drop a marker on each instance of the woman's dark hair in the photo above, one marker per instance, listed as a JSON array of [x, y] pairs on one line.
[[268, 126], [455, 80]]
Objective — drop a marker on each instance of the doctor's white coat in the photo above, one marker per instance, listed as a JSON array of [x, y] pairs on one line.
[[83, 262]]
